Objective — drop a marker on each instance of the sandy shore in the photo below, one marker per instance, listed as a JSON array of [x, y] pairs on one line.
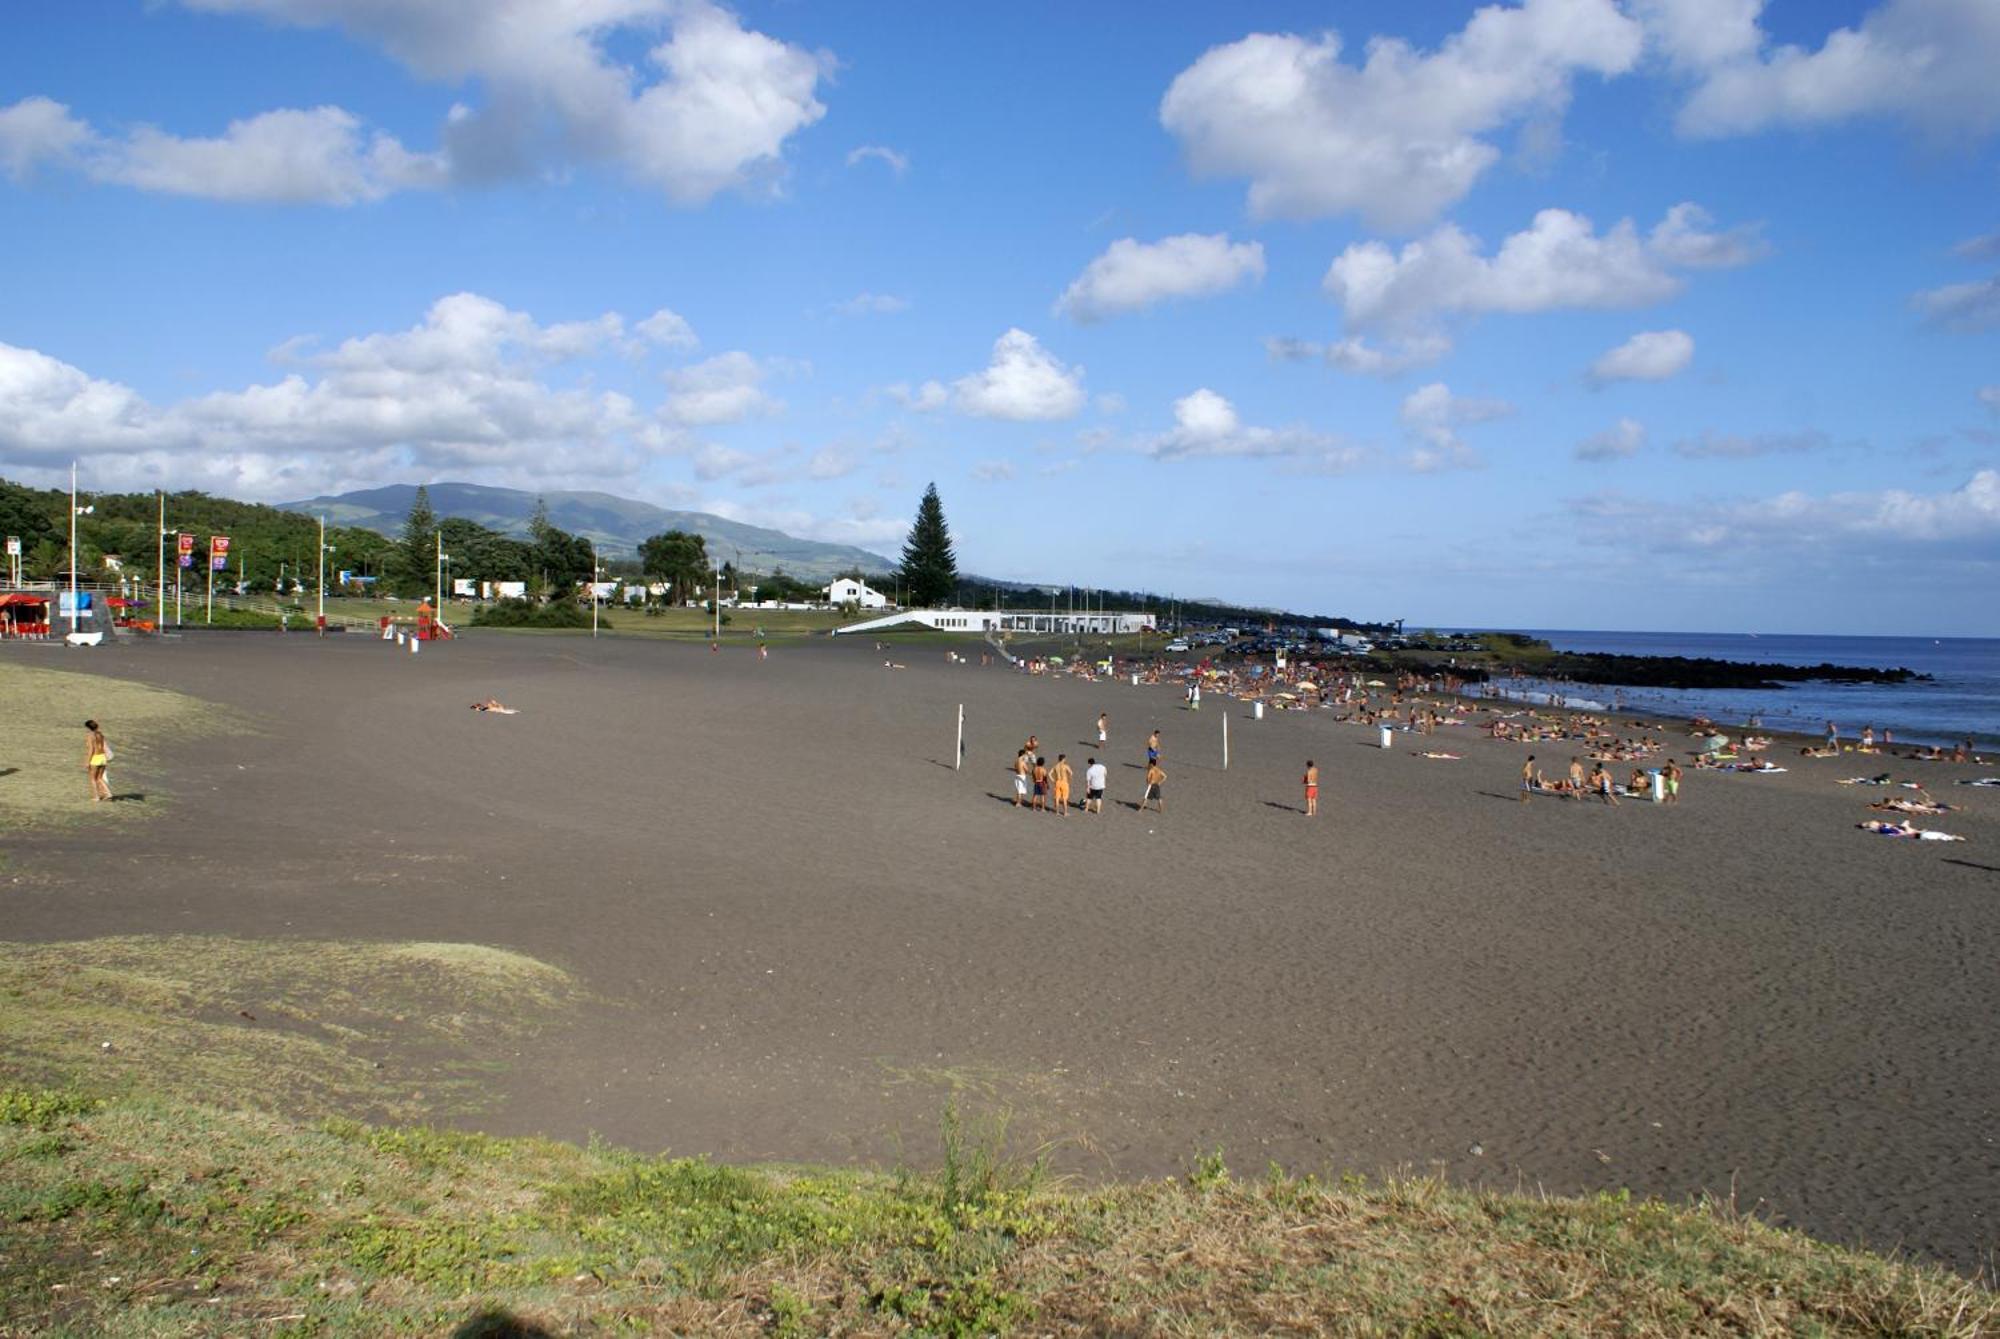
[[806, 928]]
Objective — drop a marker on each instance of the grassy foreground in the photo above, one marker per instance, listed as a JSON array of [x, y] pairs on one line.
[[171, 1162], [145, 1217]]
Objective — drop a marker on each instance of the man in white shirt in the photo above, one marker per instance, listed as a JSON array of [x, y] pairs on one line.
[[1094, 777]]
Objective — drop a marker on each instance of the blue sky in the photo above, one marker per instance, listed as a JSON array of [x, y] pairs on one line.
[[1562, 313]]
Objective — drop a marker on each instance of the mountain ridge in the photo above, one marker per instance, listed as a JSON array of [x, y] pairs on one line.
[[616, 524]]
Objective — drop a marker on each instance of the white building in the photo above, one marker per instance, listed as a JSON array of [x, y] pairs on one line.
[[847, 590], [992, 620]]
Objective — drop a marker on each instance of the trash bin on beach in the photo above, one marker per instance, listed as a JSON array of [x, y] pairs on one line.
[[1659, 782], [1257, 710], [1135, 681], [1385, 736]]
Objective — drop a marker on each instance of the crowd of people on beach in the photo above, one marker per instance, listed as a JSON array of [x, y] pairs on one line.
[[1610, 760]]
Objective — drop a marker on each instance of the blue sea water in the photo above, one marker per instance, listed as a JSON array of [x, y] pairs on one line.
[[1960, 700]]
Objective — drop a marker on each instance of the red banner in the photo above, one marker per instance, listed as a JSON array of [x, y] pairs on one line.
[[186, 542], [218, 546]]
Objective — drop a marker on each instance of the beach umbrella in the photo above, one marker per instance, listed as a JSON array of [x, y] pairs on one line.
[[1377, 683]]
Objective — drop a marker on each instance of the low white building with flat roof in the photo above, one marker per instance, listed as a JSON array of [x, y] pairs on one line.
[[1105, 624]]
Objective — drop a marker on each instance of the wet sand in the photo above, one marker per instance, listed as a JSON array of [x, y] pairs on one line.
[[805, 929]]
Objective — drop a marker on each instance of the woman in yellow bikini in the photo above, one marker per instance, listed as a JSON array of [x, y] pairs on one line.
[[96, 757]]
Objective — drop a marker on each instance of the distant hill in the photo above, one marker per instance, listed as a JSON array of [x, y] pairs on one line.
[[617, 524]]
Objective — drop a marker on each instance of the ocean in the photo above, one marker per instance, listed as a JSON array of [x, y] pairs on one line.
[[1960, 700]]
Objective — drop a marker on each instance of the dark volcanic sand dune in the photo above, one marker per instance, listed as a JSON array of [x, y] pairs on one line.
[[805, 928]]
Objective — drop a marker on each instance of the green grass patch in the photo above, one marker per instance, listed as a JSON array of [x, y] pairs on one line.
[[174, 1219], [45, 781], [397, 1031], [171, 1186]]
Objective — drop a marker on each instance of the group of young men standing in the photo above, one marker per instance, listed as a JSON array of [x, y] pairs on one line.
[[1038, 785]]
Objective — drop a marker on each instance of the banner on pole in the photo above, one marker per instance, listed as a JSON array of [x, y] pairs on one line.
[[186, 560], [13, 546], [218, 546]]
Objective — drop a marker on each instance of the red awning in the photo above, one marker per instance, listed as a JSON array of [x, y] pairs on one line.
[[22, 597]]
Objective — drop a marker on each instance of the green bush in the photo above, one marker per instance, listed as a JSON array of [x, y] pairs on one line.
[[528, 614]]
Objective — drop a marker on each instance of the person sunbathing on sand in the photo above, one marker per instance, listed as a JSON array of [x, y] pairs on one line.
[[1901, 806], [1885, 829], [493, 704]]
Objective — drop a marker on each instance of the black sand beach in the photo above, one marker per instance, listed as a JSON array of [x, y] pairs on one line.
[[804, 928]]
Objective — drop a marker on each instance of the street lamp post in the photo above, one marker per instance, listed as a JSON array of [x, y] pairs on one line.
[[596, 572], [442, 559], [324, 549], [160, 585], [74, 512]]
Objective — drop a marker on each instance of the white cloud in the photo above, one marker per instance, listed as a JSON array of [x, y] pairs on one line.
[[1748, 446], [1206, 424], [1110, 404], [1927, 62], [1354, 354], [1685, 238], [831, 462], [38, 130], [711, 462], [1985, 247], [1559, 262], [1697, 34], [1621, 441], [1023, 382], [1969, 307], [465, 390], [1650, 355], [727, 388], [859, 526], [282, 157], [993, 471], [929, 396], [899, 163], [1841, 523], [712, 113], [316, 156], [1393, 359], [1131, 275], [871, 304], [1433, 415], [1400, 137], [668, 329]]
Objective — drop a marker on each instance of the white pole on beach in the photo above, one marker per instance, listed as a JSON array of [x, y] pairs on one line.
[[72, 546], [958, 756], [1225, 741]]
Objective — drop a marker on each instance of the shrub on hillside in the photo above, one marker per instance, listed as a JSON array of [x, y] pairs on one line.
[[528, 614]]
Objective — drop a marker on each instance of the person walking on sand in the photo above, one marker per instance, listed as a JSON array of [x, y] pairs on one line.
[[1095, 774], [1576, 776], [1103, 728], [1059, 776], [1021, 766], [1152, 748], [96, 758], [1041, 783], [1312, 788], [1672, 772], [1156, 783], [1527, 778], [1600, 781]]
